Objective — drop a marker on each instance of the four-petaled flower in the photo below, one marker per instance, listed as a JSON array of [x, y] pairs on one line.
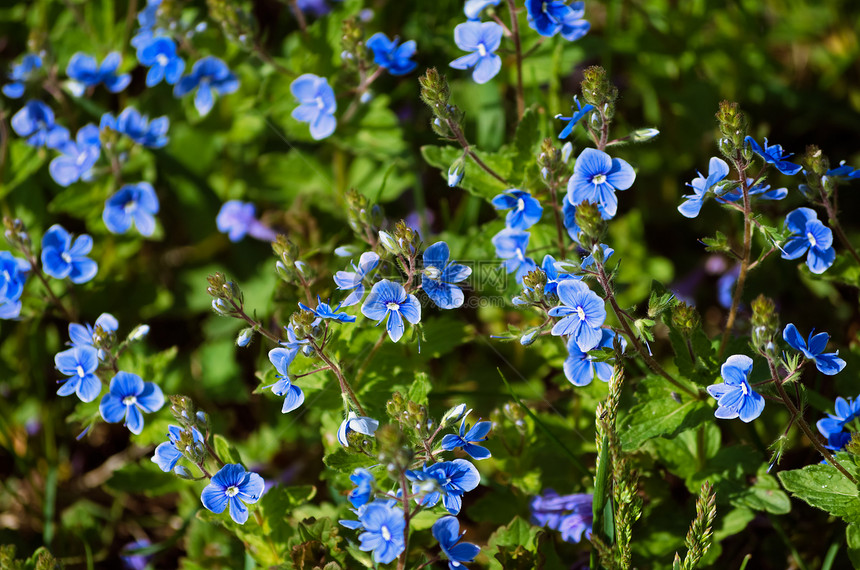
[[13, 274], [78, 158], [570, 514], [525, 211], [133, 203], [137, 127], [21, 73], [773, 154], [580, 369], [468, 440], [511, 246], [61, 258], [384, 526], [281, 358], [553, 276], [482, 39], [583, 314], [596, 177], [234, 486], [717, 170], [551, 17], [236, 219], [317, 104], [447, 531], [324, 311], [159, 55], [397, 59], [354, 280], [35, 120], [827, 363], [447, 480], [128, 396], [80, 364], [355, 423], [439, 276], [808, 233], [168, 453], [85, 72], [573, 120], [85, 334], [208, 74], [735, 397], [831, 427], [388, 300]]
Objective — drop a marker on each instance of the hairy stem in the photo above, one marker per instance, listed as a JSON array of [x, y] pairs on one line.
[[461, 138]]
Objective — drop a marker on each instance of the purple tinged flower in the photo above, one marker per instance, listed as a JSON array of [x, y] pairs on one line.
[[447, 531], [129, 395], [726, 284], [525, 211], [388, 300], [447, 480], [159, 55], [131, 561], [138, 127], [281, 358], [580, 369], [209, 75], [234, 486], [468, 440], [735, 398], [20, 74], [78, 158], [397, 59], [133, 204], [324, 311], [13, 275], [85, 72], [511, 246], [62, 258], [809, 234], [354, 280], [596, 177], [717, 170], [570, 514], [384, 527], [35, 121], [573, 120], [482, 39], [773, 154], [317, 104], [168, 453], [827, 363], [79, 364], [363, 480], [355, 423], [237, 219], [583, 314], [440, 274], [473, 8]]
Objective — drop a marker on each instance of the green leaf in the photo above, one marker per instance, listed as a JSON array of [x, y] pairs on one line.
[[225, 451], [476, 180], [144, 479], [852, 537], [346, 462], [824, 487], [419, 389]]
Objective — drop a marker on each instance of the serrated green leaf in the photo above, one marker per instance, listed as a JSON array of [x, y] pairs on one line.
[[824, 487], [227, 452]]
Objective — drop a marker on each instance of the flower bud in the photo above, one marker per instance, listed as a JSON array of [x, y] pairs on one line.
[[685, 318], [138, 333], [182, 472], [598, 91], [456, 171], [245, 336], [642, 135]]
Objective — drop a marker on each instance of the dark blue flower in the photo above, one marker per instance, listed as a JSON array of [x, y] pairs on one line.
[[447, 531], [570, 514], [831, 427], [735, 397], [843, 172], [317, 104], [473, 8], [234, 486], [439, 276], [61, 258], [808, 233], [354, 280], [511, 246], [86, 72], [447, 480], [773, 154], [13, 275], [363, 480], [159, 55], [468, 440], [549, 17], [717, 170], [20, 74], [355, 423], [568, 210], [482, 39], [384, 527], [79, 364], [553, 277], [35, 121], [129, 395], [168, 453], [596, 177], [580, 369], [324, 311], [827, 363], [281, 358], [208, 74], [583, 314], [237, 218], [573, 26], [78, 158], [85, 334], [388, 300], [133, 203], [397, 59], [761, 191], [573, 120], [525, 211], [138, 128]]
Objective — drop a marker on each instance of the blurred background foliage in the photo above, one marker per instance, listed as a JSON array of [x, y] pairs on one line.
[[793, 66]]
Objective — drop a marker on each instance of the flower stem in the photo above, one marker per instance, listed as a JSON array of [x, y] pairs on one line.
[[745, 261], [461, 138], [344, 385], [401, 563], [515, 33]]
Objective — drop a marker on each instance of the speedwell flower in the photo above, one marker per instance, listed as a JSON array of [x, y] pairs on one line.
[[35, 120], [482, 39], [388, 300], [596, 177], [447, 531], [133, 204], [354, 280], [78, 158], [294, 397], [717, 170], [447, 480], [583, 314], [137, 127], [808, 233], [573, 120], [355, 423], [525, 211], [168, 453], [13, 275], [773, 154], [570, 514], [827, 363], [128, 396], [468, 440], [79, 364], [20, 74], [735, 397], [580, 369], [391, 55], [61, 258], [85, 72], [317, 104], [159, 55], [511, 247], [208, 74], [384, 526], [440, 274], [234, 486]]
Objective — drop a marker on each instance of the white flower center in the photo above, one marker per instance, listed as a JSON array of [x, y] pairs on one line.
[[6, 275], [232, 491], [520, 255], [320, 102], [82, 158], [392, 306], [432, 272], [162, 60], [580, 313], [598, 179], [66, 257], [521, 204], [386, 534], [482, 50], [81, 372], [744, 389], [130, 207], [129, 400], [811, 239]]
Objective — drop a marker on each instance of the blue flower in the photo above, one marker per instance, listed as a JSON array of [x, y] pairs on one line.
[[606, 253], [447, 480], [35, 121], [363, 480], [159, 55], [580, 369], [80, 364], [355, 423], [447, 531], [573, 26], [468, 440], [388, 300], [596, 177], [324, 311], [551, 17], [147, 17], [773, 154], [237, 218], [763, 191], [387, 54], [13, 275], [482, 39], [726, 284], [439, 276], [456, 172], [133, 203], [568, 210], [86, 72], [577, 116], [553, 277], [525, 211], [808, 233], [583, 314], [570, 514], [168, 453], [20, 74], [354, 280], [735, 397], [831, 427], [234, 486], [473, 8], [317, 104], [128, 396], [843, 172], [384, 526], [281, 358], [85, 334], [208, 74], [138, 128], [511, 246], [61, 258], [827, 363], [717, 170], [78, 157]]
